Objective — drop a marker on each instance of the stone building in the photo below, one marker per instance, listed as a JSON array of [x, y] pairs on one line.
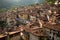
[[52, 31]]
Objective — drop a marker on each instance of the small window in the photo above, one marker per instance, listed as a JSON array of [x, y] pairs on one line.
[[41, 30], [50, 32], [49, 36]]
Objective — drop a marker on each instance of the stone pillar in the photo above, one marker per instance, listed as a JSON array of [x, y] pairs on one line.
[[55, 37]]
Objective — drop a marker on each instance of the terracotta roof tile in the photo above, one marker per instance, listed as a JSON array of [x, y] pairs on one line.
[[53, 26], [35, 32]]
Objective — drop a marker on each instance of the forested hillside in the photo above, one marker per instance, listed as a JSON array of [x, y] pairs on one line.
[[11, 3]]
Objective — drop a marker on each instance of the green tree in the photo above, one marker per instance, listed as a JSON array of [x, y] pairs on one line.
[[3, 24], [50, 1]]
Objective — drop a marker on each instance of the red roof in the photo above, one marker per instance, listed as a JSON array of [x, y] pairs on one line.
[[53, 26], [34, 31]]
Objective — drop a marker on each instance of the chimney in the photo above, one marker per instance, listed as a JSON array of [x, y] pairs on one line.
[[40, 22], [48, 17]]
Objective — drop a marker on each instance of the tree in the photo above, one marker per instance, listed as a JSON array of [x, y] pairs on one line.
[[50, 1], [3, 24]]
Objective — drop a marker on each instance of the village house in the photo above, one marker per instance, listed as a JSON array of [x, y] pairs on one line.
[[52, 31]]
